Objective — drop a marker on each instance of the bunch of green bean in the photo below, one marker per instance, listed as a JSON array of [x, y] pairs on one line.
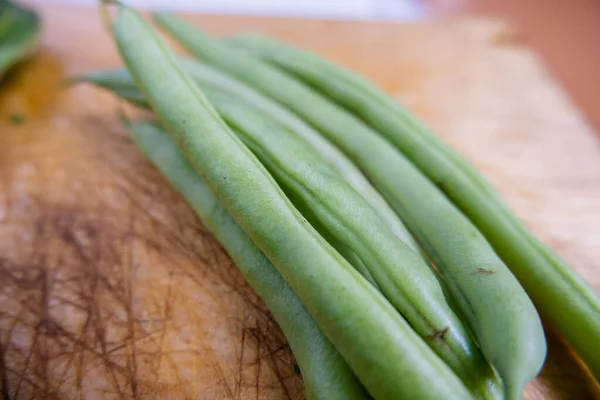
[[567, 302], [387, 356], [347, 221], [311, 203], [493, 303]]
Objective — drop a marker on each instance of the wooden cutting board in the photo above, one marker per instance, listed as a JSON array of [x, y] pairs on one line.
[[111, 288]]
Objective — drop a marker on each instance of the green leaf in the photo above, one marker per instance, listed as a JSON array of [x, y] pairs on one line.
[[19, 34]]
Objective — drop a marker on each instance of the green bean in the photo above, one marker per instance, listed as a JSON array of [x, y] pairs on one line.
[[325, 373], [564, 298], [338, 210], [498, 310], [404, 282], [380, 347]]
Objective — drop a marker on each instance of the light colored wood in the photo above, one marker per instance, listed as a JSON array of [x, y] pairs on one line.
[[112, 289], [564, 33]]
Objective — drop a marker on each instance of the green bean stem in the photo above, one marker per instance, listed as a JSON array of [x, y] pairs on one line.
[[563, 297], [500, 313], [383, 351]]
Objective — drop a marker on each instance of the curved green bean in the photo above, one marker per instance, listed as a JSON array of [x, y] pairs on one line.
[[565, 299], [325, 373], [502, 316], [383, 351], [347, 220]]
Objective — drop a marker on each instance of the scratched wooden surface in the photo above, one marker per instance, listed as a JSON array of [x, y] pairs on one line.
[[110, 288]]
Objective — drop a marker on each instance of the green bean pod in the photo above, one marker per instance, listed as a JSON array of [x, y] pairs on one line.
[[325, 373], [380, 347], [347, 220], [563, 297], [502, 316]]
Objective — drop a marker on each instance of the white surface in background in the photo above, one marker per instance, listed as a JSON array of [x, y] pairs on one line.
[[334, 9]]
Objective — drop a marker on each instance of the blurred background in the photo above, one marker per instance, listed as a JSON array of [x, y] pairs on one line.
[[564, 33]]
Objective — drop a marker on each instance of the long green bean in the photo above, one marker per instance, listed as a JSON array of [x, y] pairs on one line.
[[500, 313], [564, 298], [331, 204], [325, 373], [380, 347]]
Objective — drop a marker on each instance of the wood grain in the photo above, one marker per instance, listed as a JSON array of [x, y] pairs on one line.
[[111, 288]]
